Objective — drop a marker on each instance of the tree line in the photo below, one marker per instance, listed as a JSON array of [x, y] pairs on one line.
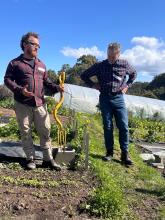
[[154, 89]]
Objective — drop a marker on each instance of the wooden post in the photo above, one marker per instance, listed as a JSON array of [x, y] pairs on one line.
[[87, 151], [86, 147], [84, 139]]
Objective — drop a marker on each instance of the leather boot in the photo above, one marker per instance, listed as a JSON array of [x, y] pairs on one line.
[[51, 164], [126, 159], [30, 164]]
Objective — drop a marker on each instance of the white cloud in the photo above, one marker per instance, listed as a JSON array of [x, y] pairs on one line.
[[150, 42], [148, 55], [76, 53]]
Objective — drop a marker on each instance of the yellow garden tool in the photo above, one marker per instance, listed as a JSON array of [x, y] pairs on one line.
[[61, 131]]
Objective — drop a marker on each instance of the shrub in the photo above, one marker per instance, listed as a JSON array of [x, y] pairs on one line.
[[7, 103], [5, 92], [148, 130]]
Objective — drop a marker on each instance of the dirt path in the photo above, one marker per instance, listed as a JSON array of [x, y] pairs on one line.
[[6, 113]]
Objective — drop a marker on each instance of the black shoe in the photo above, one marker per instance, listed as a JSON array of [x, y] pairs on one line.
[[30, 165], [126, 159], [51, 164], [108, 157]]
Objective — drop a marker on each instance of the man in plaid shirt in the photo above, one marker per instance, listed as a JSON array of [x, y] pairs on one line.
[[111, 74]]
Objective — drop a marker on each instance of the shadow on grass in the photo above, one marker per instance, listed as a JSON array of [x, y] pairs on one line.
[[159, 193], [96, 156], [100, 157]]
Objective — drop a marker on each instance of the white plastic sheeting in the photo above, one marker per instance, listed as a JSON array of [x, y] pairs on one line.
[[80, 98], [146, 107], [84, 99]]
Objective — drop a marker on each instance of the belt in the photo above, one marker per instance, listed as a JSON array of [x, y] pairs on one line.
[[111, 93]]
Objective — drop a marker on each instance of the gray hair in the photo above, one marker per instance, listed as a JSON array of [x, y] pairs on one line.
[[114, 46]]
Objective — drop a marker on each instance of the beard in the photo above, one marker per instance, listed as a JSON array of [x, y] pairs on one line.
[[32, 52]]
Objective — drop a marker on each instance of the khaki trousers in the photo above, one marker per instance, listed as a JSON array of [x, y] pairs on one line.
[[26, 115]]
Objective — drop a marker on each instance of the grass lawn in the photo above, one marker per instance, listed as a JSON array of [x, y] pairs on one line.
[[137, 192]]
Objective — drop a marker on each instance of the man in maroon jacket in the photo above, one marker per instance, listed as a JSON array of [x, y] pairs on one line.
[[26, 77]]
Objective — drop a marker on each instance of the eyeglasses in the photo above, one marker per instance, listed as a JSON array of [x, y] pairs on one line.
[[33, 44]]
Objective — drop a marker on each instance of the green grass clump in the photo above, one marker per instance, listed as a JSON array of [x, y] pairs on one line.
[[36, 183], [121, 189]]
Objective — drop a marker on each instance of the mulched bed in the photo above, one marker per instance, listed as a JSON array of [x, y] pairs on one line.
[[57, 195]]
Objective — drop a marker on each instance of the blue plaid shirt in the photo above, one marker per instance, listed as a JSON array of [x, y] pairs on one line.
[[111, 77]]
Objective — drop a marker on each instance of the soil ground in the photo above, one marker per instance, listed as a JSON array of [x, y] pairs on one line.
[[42, 193]]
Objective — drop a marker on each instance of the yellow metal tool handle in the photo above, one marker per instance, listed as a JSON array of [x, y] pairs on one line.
[[58, 104], [62, 78]]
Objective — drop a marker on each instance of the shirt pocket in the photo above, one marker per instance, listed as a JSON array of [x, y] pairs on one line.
[[41, 70], [40, 81], [119, 74]]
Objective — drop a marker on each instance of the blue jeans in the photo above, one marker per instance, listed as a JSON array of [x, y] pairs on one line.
[[114, 105]]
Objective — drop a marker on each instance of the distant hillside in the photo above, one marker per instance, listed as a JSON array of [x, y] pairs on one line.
[[157, 82], [155, 89]]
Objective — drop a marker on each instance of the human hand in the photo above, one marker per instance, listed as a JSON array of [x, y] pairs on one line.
[[26, 93], [61, 88], [124, 90], [96, 86]]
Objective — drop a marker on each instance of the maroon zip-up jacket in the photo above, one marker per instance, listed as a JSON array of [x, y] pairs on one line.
[[20, 73]]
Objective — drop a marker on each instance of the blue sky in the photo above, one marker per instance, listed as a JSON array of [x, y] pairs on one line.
[[71, 28]]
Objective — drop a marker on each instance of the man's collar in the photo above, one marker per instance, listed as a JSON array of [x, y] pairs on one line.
[[25, 60], [112, 62]]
